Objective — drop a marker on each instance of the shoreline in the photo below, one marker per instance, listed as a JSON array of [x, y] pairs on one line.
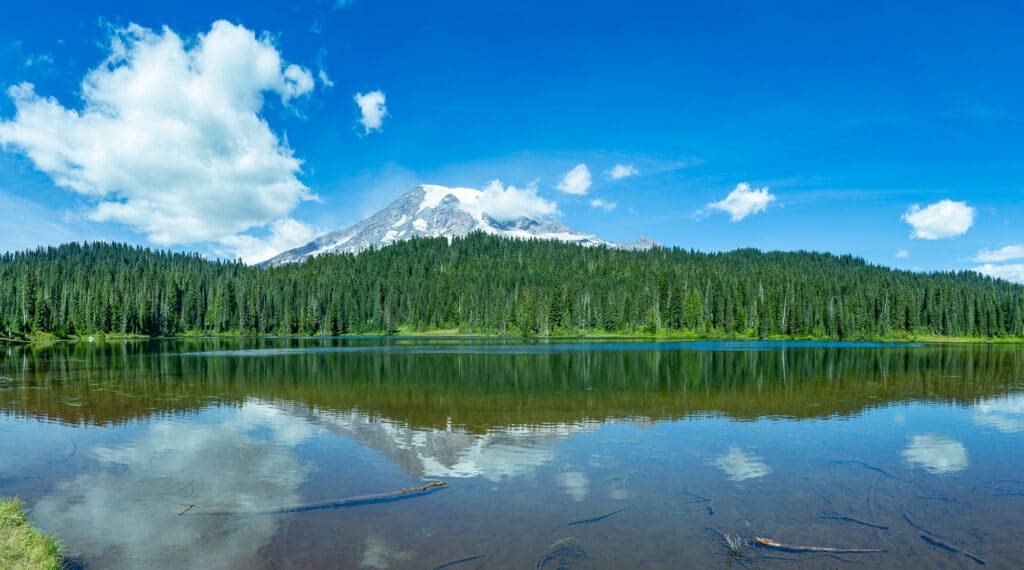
[[22, 544], [681, 336]]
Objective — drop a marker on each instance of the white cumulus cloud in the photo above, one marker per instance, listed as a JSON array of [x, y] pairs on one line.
[[508, 202], [1010, 271], [743, 201], [620, 171], [577, 181], [602, 204], [169, 139], [284, 234], [372, 110], [941, 220], [1002, 254]]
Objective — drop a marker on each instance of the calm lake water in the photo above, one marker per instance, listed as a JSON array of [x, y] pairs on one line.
[[912, 450]]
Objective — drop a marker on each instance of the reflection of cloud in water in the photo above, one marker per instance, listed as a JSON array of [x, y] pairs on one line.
[[740, 465], [125, 514], [621, 493], [1004, 414], [453, 452], [575, 484], [935, 454], [379, 555]]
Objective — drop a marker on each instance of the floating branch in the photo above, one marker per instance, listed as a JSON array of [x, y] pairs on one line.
[[769, 543], [398, 495]]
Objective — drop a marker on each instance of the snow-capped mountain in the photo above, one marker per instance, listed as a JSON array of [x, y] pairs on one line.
[[438, 211]]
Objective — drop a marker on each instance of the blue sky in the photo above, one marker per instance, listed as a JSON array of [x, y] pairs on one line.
[[848, 115]]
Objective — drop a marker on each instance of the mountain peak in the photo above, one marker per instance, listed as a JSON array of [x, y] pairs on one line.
[[431, 210]]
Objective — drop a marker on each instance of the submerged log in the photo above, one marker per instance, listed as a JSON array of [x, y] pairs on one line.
[[939, 541], [870, 467], [600, 518], [769, 543], [460, 561], [398, 495], [838, 517]]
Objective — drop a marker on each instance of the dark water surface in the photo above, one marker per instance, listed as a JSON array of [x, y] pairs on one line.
[[913, 450]]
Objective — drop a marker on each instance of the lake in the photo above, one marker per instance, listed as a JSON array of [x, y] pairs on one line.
[[178, 453]]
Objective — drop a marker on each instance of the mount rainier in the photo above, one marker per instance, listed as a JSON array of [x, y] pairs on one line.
[[438, 211]]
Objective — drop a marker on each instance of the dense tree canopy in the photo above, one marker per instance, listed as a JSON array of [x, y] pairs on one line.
[[488, 285]]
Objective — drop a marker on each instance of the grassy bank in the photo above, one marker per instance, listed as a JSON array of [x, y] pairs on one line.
[[22, 546]]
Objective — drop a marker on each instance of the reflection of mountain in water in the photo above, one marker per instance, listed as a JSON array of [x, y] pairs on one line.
[[482, 390], [452, 452]]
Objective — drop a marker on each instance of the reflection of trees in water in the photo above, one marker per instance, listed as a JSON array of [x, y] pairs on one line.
[[116, 382]]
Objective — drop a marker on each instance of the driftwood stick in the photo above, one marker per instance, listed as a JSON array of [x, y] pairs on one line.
[[936, 542], [600, 518], [460, 561], [769, 543], [838, 517], [941, 542], [700, 499], [869, 466], [398, 495]]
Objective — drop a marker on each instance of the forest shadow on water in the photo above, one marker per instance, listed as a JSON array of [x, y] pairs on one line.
[[292, 453]]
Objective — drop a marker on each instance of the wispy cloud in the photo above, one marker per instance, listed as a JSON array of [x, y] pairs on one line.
[[1002, 254], [620, 171], [941, 220], [602, 204], [324, 78], [902, 254], [743, 201]]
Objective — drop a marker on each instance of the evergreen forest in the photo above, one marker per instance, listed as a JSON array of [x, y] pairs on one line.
[[483, 284]]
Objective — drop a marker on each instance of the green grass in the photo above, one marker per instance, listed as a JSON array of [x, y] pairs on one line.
[[22, 546]]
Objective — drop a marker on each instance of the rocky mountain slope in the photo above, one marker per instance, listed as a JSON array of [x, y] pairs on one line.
[[438, 211]]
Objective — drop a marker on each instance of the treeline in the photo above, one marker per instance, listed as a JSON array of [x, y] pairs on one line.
[[488, 285]]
